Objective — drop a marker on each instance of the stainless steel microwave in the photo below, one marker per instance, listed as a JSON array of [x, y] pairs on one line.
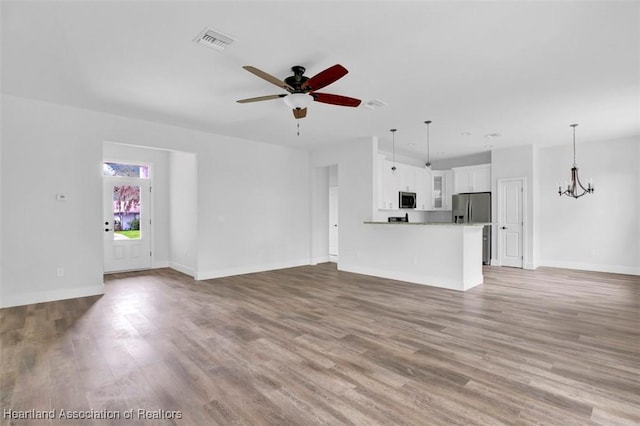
[[407, 200]]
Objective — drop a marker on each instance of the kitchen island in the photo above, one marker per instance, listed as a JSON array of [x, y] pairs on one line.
[[447, 255]]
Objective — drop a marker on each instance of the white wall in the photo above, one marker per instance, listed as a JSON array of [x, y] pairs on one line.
[[600, 231], [333, 175], [319, 199], [251, 215], [159, 160], [507, 163], [183, 211], [253, 208], [355, 198], [44, 152]]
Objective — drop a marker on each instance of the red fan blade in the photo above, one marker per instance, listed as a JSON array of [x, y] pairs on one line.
[[325, 78], [299, 113], [328, 98], [261, 98]]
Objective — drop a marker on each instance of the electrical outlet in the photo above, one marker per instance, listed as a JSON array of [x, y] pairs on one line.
[[60, 271]]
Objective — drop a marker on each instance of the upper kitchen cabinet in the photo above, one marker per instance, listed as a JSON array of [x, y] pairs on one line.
[[441, 189], [389, 185], [472, 179], [423, 188], [406, 179]]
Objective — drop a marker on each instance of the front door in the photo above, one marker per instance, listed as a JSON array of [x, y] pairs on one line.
[[127, 243], [510, 231]]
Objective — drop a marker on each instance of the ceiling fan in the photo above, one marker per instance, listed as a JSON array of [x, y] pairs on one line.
[[302, 89]]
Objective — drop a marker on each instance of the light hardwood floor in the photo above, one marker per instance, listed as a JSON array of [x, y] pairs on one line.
[[313, 345]]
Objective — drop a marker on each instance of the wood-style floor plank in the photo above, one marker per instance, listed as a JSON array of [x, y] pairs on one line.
[[313, 345]]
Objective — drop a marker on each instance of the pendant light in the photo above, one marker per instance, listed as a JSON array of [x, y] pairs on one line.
[[574, 186], [393, 135], [428, 163]]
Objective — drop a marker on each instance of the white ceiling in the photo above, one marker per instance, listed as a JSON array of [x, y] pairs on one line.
[[525, 70]]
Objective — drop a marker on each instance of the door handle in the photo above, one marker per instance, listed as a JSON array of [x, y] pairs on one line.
[[107, 229], [336, 225], [503, 227]]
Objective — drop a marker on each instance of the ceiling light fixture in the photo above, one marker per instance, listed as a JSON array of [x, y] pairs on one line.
[[298, 100], [572, 187], [428, 163], [393, 135]]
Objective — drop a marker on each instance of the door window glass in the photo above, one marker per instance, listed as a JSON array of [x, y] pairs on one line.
[[125, 170], [126, 212]]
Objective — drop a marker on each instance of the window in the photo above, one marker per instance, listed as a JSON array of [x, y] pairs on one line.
[[125, 170]]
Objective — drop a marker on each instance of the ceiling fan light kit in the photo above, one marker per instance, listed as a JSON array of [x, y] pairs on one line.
[[298, 100], [302, 89]]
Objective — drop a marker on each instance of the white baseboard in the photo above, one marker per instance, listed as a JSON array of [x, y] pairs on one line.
[[320, 259], [50, 296], [415, 279], [182, 268], [614, 269], [333, 258], [208, 275], [160, 264]]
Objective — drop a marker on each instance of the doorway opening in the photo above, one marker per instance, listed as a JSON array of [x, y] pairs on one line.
[[127, 216]]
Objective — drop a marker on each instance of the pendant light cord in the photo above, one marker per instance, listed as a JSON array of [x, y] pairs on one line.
[[428, 122], [574, 144], [393, 134]]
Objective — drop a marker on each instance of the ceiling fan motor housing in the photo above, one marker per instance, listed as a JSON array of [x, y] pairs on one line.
[[297, 79]]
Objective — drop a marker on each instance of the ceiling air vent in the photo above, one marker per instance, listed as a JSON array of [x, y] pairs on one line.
[[374, 104], [213, 39]]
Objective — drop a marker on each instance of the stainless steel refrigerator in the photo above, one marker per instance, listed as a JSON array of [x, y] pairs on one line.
[[475, 207]]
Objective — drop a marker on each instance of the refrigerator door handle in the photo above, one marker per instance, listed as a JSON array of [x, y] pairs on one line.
[[469, 216]]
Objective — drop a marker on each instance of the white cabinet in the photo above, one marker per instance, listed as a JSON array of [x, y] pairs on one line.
[[389, 184], [448, 189], [433, 188], [472, 179], [441, 189], [423, 189], [407, 179]]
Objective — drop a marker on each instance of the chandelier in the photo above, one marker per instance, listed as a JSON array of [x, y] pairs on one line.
[[574, 188]]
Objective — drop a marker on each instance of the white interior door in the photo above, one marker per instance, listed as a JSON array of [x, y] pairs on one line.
[[127, 208], [510, 229], [333, 221]]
